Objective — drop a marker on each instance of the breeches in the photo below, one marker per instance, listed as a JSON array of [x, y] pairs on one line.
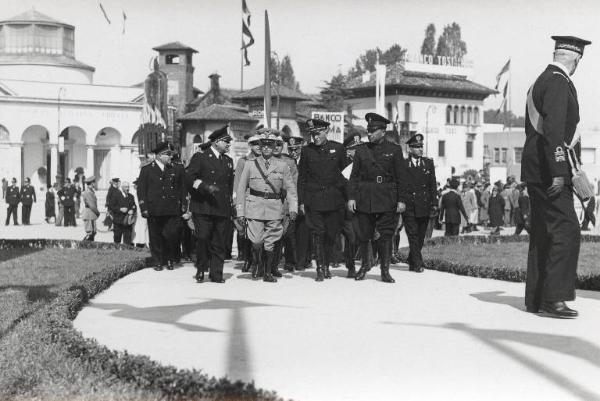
[[266, 232], [385, 224]]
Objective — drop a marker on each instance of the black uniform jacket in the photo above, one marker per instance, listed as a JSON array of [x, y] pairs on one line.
[[544, 152], [420, 186], [452, 207], [13, 195], [212, 171], [321, 185], [160, 193], [28, 195], [67, 196], [119, 200], [376, 179]]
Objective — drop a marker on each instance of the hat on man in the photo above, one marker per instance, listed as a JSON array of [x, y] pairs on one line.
[[253, 139], [162, 147], [570, 43], [352, 141], [268, 137], [293, 140], [278, 137], [316, 126], [375, 121], [115, 180], [222, 134], [90, 179], [415, 141]]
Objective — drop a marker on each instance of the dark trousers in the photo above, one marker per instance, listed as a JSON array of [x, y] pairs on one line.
[[553, 247], [416, 228], [349, 230], [162, 242], [229, 239], [303, 256], [69, 216], [520, 222], [212, 233], [187, 241], [122, 231], [325, 224], [12, 209], [452, 229], [385, 224], [26, 214], [289, 245]]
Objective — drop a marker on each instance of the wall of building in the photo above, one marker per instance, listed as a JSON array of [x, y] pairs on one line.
[[48, 73], [503, 149]]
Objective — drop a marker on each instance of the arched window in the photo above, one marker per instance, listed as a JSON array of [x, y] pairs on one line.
[[449, 115], [476, 116], [407, 112], [463, 115], [455, 115], [469, 115]]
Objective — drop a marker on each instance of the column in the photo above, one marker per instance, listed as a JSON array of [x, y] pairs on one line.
[[53, 162], [90, 160]]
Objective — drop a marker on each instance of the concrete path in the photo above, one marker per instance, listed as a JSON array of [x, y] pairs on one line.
[[430, 336]]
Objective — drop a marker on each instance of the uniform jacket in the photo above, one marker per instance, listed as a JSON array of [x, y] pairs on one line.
[[420, 186], [160, 193], [90, 203], [376, 179], [212, 171], [117, 201], [67, 196], [256, 207], [28, 195], [321, 185], [544, 152], [239, 168], [291, 163], [111, 191], [451, 207], [13, 195]]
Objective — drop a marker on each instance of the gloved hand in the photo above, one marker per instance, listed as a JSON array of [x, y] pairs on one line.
[[352, 205], [557, 186]]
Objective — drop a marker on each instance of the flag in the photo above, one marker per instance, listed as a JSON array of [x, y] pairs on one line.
[[246, 12], [245, 45], [104, 12], [504, 70], [124, 19], [380, 71], [267, 99], [504, 98]]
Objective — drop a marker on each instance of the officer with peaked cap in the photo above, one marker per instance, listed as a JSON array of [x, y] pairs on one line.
[[420, 199], [552, 114], [376, 193], [210, 182], [322, 192], [161, 195], [90, 208]]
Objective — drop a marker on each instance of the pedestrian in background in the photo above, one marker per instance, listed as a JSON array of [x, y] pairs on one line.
[[140, 229], [67, 196], [496, 209], [13, 197], [28, 198], [49, 205], [506, 195], [484, 216], [90, 209], [124, 211], [59, 205], [4, 187], [451, 209], [522, 213]]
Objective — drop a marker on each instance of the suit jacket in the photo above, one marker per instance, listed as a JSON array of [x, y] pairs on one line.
[[161, 193], [67, 196], [117, 201], [13, 195], [420, 187], [256, 207], [90, 212], [452, 207], [321, 185], [376, 182], [28, 195], [211, 171], [544, 153]]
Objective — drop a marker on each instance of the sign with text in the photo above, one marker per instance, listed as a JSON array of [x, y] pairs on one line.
[[336, 129]]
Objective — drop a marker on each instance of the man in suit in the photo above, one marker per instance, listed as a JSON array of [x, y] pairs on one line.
[[90, 209], [67, 197], [551, 118], [122, 207], [27, 200], [321, 192], [376, 193], [451, 207], [420, 199], [210, 182], [13, 197], [161, 193], [260, 205]]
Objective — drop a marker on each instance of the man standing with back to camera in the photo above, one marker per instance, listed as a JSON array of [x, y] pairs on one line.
[[552, 114]]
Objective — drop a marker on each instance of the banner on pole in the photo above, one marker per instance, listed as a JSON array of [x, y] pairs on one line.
[[336, 119]]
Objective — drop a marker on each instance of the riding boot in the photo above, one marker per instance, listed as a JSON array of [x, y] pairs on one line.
[[349, 253], [256, 260], [290, 250], [317, 245], [247, 254], [269, 257], [274, 266], [327, 249], [385, 253], [366, 261]]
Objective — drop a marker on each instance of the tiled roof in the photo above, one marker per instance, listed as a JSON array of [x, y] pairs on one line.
[[43, 59], [218, 112], [34, 16], [224, 97], [174, 46], [259, 93]]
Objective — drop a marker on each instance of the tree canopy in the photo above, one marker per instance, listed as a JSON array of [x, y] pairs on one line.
[[282, 72], [491, 116]]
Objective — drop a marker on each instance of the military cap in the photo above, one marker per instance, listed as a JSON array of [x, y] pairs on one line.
[[352, 141], [415, 141], [293, 140], [222, 134], [375, 121], [90, 179], [162, 147], [253, 138], [268, 137], [316, 126], [570, 43], [278, 137], [115, 180]]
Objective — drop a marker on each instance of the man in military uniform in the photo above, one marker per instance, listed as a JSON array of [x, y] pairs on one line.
[[13, 197], [90, 208], [350, 227], [375, 193], [321, 192], [260, 204], [552, 114], [420, 198], [210, 182], [67, 197], [27, 200], [161, 194]]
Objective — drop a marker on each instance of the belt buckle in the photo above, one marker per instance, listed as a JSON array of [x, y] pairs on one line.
[[379, 179]]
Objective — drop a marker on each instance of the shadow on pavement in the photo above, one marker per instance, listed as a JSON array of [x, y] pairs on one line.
[[566, 345], [496, 297]]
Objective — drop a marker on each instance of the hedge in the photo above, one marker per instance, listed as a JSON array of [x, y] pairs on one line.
[[141, 371]]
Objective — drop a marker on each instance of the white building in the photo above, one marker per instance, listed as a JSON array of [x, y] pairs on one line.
[[52, 116], [439, 102]]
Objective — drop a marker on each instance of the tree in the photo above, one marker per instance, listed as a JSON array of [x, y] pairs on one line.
[[428, 47], [334, 93], [450, 43], [282, 72], [393, 55], [491, 116]]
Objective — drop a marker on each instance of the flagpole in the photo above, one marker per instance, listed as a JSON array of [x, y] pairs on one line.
[[510, 154], [242, 53], [267, 87]]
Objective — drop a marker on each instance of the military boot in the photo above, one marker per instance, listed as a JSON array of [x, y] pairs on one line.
[[269, 257], [274, 266], [318, 252], [385, 254], [349, 253], [366, 261], [327, 250], [256, 261], [247, 254]]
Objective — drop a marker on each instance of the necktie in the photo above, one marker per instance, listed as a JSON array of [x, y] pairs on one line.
[[267, 164]]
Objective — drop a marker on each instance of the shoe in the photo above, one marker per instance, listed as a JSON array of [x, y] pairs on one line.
[[326, 272], [351, 272], [317, 246], [269, 266], [213, 280], [365, 265], [532, 309], [199, 277], [419, 269], [289, 268], [170, 265], [159, 268], [385, 252], [558, 310]]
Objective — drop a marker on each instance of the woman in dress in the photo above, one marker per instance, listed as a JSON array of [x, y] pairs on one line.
[[496, 211]]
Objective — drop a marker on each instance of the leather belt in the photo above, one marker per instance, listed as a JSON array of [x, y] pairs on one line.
[[380, 179], [265, 195]]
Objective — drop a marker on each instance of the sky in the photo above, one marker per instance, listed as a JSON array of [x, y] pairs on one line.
[[324, 37]]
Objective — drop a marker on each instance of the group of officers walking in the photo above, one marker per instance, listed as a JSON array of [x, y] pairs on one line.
[[282, 204]]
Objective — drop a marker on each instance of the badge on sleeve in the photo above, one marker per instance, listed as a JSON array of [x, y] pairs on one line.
[[559, 154]]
